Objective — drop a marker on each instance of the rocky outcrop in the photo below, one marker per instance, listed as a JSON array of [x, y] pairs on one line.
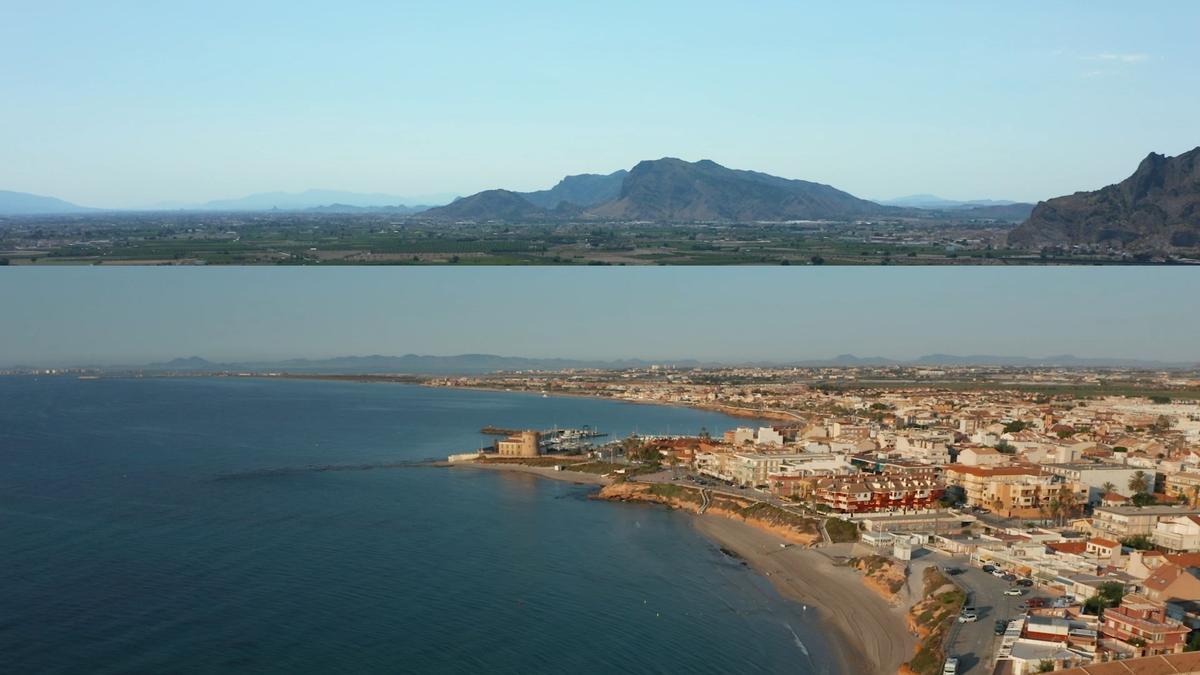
[[788, 526], [1155, 209]]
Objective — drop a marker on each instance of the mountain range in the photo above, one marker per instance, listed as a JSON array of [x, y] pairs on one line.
[[486, 363], [24, 203], [317, 198], [927, 201], [664, 190], [1158, 207]]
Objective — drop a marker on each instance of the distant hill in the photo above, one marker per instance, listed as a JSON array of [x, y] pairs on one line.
[[296, 201], [348, 208], [1014, 213], [981, 209], [407, 364], [26, 204], [586, 189], [488, 205], [927, 201], [417, 364], [670, 190], [674, 190], [1156, 208]]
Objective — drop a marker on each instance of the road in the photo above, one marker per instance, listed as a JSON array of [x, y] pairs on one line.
[[975, 643]]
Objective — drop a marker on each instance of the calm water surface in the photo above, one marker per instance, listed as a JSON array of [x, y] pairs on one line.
[[154, 526]]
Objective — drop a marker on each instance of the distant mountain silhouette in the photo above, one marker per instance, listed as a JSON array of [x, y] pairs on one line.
[[586, 189], [1156, 208], [407, 364], [349, 208], [489, 205], [983, 209], [417, 364], [295, 201], [26, 204], [674, 190], [927, 201]]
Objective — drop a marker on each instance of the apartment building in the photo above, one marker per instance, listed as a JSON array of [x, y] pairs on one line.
[[999, 488], [1140, 627], [1118, 522], [1177, 535], [1094, 476], [870, 494], [1183, 485]]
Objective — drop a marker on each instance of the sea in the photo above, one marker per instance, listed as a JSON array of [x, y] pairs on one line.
[[258, 525]]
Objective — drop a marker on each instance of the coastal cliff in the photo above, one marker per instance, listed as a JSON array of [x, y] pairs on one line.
[[931, 618], [788, 526], [884, 575]]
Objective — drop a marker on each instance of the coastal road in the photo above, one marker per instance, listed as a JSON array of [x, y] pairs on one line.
[[975, 643]]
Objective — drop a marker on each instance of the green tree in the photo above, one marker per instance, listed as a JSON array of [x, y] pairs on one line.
[[1015, 426], [1139, 542], [1143, 499], [1067, 502]]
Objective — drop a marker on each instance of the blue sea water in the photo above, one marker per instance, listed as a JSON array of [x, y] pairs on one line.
[[171, 525]]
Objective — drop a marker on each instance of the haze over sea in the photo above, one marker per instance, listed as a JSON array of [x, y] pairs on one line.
[[151, 525]]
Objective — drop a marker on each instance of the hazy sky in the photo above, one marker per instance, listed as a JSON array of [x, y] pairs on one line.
[[136, 315], [126, 103]]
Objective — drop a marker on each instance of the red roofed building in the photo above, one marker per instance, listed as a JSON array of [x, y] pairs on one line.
[[869, 494], [1140, 627], [1114, 499]]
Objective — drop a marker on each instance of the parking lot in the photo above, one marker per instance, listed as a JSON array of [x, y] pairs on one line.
[[975, 643]]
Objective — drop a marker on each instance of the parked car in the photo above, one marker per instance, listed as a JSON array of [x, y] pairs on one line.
[[989, 568], [998, 573], [1025, 582], [1001, 627], [1009, 578], [954, 571], [966, 617], [950, 667], [1014, 591]]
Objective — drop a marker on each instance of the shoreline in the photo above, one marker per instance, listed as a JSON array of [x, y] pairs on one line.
[[566, 476], [732, 411], [868, 634]]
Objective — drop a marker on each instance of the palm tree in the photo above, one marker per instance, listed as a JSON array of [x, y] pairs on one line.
[[1067, 501], [1138, 483], [1108, 487]]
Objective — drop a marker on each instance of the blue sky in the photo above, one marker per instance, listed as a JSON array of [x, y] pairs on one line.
[[136, 315], [124, 103]]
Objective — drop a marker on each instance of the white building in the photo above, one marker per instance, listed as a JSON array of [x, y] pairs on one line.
[[1178, 535]]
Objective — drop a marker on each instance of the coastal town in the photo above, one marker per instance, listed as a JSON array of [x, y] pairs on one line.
[[1024, 520]]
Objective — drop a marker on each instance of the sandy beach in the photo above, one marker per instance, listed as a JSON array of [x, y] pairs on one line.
[[871, 635]]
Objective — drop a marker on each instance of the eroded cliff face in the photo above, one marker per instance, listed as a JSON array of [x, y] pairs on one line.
[[1157, 208], [792, 528]]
